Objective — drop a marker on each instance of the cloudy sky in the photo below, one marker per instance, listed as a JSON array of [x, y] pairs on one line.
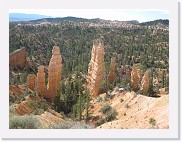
[[141, 15]]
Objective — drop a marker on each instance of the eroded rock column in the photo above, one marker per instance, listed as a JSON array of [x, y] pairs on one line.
[[54, 73], [112, 72], [134, 78], [145, 83], [41, 87], [31, 81], [96, 67]]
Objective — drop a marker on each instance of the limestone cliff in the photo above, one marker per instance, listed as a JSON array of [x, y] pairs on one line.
[[145, 83], [31, 81], [96, 67], [18, 58], [41, 87], [134, 78], [112, 72], [54, 73]]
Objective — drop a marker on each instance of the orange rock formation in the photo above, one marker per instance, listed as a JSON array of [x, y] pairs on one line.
[[41, 87], [96, 67], [54, 73], [18, 58], [145, 83], [31, 81], [134, 78], [112, 72]]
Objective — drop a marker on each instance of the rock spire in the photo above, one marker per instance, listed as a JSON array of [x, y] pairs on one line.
[[96, 67], [112, 70]]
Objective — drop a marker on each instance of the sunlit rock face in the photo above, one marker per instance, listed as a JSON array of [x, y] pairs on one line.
[[145, 83], [54, 73], [112, 70], [31, 82], [134, 78], [41, 86], [18, 58], [96, 67]]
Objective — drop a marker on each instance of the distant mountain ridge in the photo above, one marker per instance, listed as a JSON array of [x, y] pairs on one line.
[[13, 17], [37, 19]]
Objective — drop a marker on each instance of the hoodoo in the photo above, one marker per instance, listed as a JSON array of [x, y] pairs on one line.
[[112, 72], [41, 87], [31, 81], [145, 83], [54, 73], [96, 67], [134, 78]]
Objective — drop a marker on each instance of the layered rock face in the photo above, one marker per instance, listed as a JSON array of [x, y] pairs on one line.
[[31, 81], [112, 72], [41, 87], [134, 78], [96, 67], [18, 58], [54, 73], [145, 83]]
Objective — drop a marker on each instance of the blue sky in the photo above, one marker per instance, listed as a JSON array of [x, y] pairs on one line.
[[142, 15]]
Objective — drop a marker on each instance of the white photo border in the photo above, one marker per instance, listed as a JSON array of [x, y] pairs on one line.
[[171, 133]]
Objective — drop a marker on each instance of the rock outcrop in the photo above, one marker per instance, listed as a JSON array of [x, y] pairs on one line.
[[31, 81], [54, 73], [96, 67], [145, 83], [41, 87], [18, 58], [134, 78], [112, 72]]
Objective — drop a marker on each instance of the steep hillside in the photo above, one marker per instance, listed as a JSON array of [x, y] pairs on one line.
[[133, 112]]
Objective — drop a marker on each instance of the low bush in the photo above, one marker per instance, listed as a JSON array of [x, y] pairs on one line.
[[23, 122], [99, 99], [111, 115], [100, 121], [105, 108], [64, 125], [121, 100], [152, 121], [72, 125]]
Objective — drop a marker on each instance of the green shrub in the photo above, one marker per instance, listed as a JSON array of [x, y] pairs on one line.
[[91, 106], [11, 110], [152, 121], [38, 111], [100, 121], [43, 106], [99, 99], [105, 108], [111, 115], [106, 97], [72, 125], [64, 125], [32, 103], [121, 100], [23, 122], [82, 125]]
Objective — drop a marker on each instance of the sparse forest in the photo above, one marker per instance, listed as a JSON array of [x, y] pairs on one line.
[[145, 45]]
